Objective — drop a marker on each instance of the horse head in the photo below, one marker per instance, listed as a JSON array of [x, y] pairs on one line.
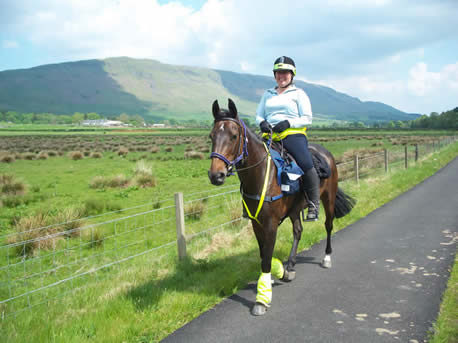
[[227, 142]]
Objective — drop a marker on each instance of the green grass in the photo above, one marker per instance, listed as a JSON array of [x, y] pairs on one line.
[[147, 298], [446, 326]]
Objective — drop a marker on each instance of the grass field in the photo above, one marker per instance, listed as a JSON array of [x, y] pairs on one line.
[[145, 299]]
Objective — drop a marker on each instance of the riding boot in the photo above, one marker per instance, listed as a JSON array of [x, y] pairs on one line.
[[311, 186]]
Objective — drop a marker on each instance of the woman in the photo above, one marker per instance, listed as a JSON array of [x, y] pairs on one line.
[[286, 111]]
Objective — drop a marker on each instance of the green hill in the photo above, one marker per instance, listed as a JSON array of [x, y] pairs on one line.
[[161, 91]]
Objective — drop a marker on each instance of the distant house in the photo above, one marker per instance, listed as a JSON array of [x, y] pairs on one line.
[[102, 122], [158, 125]]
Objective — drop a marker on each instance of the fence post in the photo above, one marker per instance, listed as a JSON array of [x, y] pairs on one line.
[[179, 217], [406, 155], [386, 160], [416, 152], [356, 168]]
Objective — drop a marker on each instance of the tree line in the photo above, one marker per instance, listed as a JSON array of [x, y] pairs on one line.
[[444, 120]]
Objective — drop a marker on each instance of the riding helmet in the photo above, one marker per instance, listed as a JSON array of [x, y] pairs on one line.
[[285, 63]]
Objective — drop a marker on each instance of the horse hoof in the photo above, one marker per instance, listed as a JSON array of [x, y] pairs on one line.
[[326, 264], [259, 309], [289, 276]]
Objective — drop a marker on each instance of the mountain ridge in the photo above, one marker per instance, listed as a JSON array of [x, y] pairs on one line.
[[162, 91]]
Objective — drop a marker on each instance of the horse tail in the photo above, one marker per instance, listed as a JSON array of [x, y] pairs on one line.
[[344, 203]]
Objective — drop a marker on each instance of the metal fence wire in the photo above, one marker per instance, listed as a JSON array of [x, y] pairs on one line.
[[40, 264]]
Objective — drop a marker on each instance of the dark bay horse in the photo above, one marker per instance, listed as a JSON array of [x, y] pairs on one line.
[[234, 145]]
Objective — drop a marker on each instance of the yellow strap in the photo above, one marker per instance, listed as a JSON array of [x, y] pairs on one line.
[[281, 135], [263, 193]]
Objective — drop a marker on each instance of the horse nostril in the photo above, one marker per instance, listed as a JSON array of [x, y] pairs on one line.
[[216, 178]]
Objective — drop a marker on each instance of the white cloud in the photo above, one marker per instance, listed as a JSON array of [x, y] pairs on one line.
[[368, 49], [421, 81]]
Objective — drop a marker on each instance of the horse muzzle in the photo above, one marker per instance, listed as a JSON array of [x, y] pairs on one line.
[[217, 178]]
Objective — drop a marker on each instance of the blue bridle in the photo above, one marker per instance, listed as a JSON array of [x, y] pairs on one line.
[[231, 164]]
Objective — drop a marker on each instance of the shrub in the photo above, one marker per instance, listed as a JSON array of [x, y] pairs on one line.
[[145, 180], [10, 186], [98, 182], [194, 209], [69, 220], [154, 149], [75, 155], [96, 238], [29, 156], [96, 155], [169, 149], [123, 151], [52, 153], [42, 155], [118, 181], [194, 155], [7, 158], [143, 168]]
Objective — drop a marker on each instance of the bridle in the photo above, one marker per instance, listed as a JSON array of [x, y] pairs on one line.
[[243, 141]]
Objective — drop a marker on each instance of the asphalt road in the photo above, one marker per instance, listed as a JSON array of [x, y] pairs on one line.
[[389, 272]]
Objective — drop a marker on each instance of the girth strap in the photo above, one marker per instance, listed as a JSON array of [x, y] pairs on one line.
[[267, 198]]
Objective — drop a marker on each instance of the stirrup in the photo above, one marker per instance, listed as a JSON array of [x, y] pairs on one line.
[[312, 215]]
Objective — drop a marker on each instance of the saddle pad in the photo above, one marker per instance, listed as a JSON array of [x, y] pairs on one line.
[[319, 162]]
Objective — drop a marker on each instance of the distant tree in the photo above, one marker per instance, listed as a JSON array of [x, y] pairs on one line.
[[93, 116], [137, 120], [27, 118], [77, 117], [11, 116], [124, 118]]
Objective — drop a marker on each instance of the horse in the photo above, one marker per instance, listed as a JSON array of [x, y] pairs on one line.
[[235, 145]]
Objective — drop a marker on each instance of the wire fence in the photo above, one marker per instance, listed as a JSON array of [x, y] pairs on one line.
[[44, 263]]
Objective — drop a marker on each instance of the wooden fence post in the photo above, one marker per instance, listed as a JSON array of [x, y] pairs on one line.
[[179, 216], [416, 152], [356, 168], [386, 160], [406, 155]]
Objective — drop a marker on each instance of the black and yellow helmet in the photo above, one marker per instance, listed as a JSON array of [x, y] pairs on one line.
[[284, 63]]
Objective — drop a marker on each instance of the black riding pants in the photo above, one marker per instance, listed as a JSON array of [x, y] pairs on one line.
[[297, 145]]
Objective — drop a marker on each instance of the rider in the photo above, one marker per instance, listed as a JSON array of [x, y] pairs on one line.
[[286, 110]]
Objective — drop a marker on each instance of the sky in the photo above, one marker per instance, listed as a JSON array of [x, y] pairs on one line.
[[403, 53]]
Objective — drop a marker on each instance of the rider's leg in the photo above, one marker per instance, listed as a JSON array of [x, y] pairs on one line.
[[297, 145]]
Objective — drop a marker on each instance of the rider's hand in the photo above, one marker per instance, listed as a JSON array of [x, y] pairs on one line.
[[265, 127], [281, 126]]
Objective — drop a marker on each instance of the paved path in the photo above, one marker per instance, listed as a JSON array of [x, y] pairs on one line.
[[389, 272]]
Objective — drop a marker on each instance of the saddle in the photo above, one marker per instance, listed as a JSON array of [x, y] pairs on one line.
[[289, 173]]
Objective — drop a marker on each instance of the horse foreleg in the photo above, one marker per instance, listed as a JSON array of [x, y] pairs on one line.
[[264, 286]]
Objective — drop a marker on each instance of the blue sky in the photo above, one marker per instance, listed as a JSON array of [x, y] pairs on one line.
[[400, 52]]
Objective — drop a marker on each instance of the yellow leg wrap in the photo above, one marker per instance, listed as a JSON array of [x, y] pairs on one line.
[[264, 295], [277, 268]]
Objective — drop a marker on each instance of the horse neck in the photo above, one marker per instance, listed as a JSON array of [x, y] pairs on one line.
[[252, 178]]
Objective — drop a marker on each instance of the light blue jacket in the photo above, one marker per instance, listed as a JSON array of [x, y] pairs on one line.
[[292, 105]]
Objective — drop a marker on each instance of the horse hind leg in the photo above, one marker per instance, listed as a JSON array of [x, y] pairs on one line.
[[329, 209], [290, 274]]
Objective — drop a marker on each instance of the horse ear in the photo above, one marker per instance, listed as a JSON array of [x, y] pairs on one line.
[[215, 108], [232, 108]]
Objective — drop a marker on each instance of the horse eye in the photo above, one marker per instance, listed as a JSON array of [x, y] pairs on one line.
[[234, 137]]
